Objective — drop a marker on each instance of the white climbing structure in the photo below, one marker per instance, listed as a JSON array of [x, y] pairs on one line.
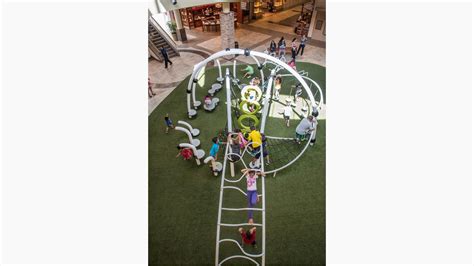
[[229, 184]]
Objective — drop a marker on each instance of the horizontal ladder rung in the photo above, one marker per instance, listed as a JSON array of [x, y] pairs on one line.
[[242, 209], [234, 225]]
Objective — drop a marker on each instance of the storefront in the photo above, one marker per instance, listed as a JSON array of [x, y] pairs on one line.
[[205, 17]]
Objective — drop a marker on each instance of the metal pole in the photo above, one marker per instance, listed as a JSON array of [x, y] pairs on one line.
[[266, 102]]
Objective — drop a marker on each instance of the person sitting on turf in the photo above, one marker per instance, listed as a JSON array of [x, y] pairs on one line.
[[248, 237], [208, 100], [252, 195], [304, 127], [186, 153], [248, 71], [256, 138]]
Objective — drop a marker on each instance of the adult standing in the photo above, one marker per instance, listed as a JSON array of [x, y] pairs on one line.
[[281, 47], [293, 49], [304, 127], [273, 48], [302, 44], [164, 53]]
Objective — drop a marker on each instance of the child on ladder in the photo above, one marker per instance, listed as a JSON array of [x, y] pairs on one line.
[[252, 195]]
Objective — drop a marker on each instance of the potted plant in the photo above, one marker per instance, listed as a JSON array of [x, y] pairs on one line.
[[172, 28]]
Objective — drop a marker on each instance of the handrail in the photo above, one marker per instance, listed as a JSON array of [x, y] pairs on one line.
[[163, 34], [156, 54]]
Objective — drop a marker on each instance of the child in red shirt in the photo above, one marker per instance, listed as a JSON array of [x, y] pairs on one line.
[[248, 237], [187, 153]]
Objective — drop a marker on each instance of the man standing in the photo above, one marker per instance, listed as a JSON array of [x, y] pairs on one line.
[[164, 53], [302, 45], [304, 127]]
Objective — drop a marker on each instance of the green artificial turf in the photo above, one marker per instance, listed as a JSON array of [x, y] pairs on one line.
[[184, 197]]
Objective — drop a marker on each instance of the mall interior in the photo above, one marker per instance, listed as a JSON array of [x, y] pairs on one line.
[[197, 205], [191, 31]]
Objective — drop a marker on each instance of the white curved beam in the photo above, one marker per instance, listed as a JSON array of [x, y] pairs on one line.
[[239, 257], [228, 52], [198, 154], [315, 83], [236, 188], [241, 249], [192, 141], [194, 131]]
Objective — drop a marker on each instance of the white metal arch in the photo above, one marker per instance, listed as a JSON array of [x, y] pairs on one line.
[[191, 95], [315, 84], [197, 68]]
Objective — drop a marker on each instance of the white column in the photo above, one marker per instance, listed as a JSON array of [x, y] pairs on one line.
[[266, 102], [177, 17], [313, 21]]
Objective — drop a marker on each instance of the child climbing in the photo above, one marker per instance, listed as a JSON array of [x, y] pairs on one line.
[[252, 195], [248, 71], [243, 140], [213, 153], [265, 151], [169, 123], [249, 236], [235, 144], [256, 138], [287, 112], [186, 153]]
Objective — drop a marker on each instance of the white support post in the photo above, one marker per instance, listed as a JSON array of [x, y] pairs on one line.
[[229, 112], [266, 102], [232, 170], [220, 78], [234, 69]]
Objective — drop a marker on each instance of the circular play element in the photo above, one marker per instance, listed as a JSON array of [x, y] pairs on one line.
[[200, 154], [196, 142], [216, 86], [241, 119], [251, 93], [192, 113], [219, 166], [249, 107], [232, 156], [197, 104]]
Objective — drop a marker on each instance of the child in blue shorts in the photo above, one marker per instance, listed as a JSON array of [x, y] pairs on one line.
[[169, 123]]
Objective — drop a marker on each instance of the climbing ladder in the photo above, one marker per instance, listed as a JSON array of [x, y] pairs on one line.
[[228, 184]]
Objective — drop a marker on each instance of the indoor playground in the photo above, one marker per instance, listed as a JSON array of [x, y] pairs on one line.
[[237, 164]]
